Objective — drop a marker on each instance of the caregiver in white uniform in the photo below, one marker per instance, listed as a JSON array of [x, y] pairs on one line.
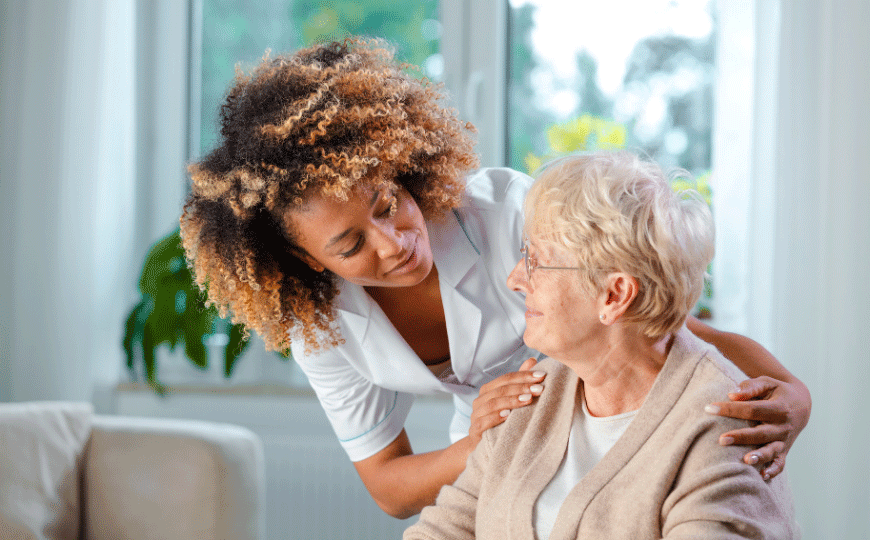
[[337, 218]]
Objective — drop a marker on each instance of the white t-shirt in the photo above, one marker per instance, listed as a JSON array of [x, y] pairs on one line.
[[591, 437], [366, 385]]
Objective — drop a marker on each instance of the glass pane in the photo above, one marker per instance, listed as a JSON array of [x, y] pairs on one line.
[[239, 32], [584, 76]]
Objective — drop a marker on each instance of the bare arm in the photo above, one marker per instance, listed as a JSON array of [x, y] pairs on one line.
[[402, 482], [775, 398]]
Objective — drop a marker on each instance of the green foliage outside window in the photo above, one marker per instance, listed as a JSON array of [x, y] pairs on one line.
[[239, 33]]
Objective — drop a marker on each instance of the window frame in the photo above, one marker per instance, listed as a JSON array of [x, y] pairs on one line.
[[474, 46]]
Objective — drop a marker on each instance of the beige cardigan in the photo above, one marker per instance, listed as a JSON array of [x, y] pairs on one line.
[[666, 477]]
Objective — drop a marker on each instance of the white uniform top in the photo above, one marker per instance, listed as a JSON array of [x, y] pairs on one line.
[[367, 384]]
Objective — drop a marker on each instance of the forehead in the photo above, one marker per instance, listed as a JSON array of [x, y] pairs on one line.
[[546, 249], [325, 213]]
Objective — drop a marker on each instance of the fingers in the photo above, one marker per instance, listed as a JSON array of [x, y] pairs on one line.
[[528, 364], [500, 396], [507, 397], [754, 436], [767, 411], [524, 376], [770, 459], [757, 388], [774, 468]]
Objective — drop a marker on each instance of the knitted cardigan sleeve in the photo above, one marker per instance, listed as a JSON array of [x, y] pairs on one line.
[[454, 514]]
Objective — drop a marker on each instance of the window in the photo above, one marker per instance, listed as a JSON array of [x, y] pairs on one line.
[[645, 82], [239, 32], [537, 78]]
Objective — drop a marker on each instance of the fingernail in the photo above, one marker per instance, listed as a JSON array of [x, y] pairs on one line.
[[766, 476], [712, 409], [753, 459], [504, 413], [539, 374], [536, 388], [725, 441], [525, 397]]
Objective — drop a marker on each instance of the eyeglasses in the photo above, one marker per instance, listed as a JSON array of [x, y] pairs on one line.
[[532, 263]]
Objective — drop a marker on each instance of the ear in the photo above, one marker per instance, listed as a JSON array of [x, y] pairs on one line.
[[621, 290]]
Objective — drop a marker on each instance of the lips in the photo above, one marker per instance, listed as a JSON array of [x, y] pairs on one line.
[[532, 313], [406, 265]]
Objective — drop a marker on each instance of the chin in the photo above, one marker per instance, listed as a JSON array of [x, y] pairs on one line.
[[531, 342]]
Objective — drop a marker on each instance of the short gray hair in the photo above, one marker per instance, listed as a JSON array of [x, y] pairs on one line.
[[614, 211]]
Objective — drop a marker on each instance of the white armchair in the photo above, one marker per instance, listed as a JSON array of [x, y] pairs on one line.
[[67, 473]]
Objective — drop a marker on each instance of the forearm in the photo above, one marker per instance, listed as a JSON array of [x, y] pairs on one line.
[[403, 483], [745, 353]]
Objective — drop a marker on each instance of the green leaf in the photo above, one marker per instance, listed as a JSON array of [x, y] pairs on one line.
[[162, 260], [194, 348], [148, 346], [235, 348], [133, 327]]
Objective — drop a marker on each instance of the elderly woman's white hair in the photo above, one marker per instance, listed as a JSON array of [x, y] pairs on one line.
[[613, 211]]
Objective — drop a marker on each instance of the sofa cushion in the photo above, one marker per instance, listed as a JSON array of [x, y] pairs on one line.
[[41, 450]]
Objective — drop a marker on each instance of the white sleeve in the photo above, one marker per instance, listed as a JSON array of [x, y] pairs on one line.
[[365, 417]]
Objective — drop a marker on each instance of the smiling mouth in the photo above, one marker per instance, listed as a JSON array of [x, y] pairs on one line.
[[411, 258]]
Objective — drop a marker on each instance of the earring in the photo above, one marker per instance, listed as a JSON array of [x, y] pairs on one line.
[[603, 317]]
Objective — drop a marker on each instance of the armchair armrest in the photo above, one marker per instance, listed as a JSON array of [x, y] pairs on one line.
[[157, 478]]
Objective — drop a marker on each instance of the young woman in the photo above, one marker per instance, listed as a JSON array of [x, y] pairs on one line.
[[339, 218]]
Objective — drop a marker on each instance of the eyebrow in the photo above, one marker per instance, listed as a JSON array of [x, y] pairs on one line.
[[340, 236]]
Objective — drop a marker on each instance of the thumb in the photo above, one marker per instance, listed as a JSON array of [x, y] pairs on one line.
[[759, 387], [528, 364]]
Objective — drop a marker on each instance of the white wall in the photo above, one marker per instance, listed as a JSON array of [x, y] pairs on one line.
[[821, 258], [68, 198]]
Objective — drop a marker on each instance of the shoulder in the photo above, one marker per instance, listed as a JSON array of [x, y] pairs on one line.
[[494, 187], [713, 375], [556, 401], [491, 214]]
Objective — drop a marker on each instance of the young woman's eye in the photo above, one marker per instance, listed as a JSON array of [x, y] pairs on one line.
[[352, 251]]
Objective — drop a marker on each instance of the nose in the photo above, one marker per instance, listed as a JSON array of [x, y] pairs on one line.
[[388, 241], [517, 278]]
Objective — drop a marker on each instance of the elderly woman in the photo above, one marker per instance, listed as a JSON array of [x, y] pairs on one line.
[[618, 444]]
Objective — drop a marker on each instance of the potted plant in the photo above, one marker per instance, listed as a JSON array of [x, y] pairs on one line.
[[172, 311]]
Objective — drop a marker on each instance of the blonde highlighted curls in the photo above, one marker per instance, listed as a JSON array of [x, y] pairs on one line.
[[613, 211], [325, 120]]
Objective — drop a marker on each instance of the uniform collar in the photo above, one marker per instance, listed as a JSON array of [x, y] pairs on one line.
[[454, 255]]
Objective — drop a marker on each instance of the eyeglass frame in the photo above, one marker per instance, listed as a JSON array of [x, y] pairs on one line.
[[528, 262]]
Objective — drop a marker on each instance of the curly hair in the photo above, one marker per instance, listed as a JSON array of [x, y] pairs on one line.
[[328, 120]]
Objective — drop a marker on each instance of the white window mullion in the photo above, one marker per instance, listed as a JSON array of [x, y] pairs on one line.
[[474, 45]]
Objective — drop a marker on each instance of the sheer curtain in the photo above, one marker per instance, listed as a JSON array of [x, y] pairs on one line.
[[817, 286], [68, 200]]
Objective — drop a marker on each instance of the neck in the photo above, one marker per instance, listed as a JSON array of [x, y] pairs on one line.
[[617, 377]]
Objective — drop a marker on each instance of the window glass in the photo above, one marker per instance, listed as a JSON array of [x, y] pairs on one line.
[[597, 75], [240, 32]]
